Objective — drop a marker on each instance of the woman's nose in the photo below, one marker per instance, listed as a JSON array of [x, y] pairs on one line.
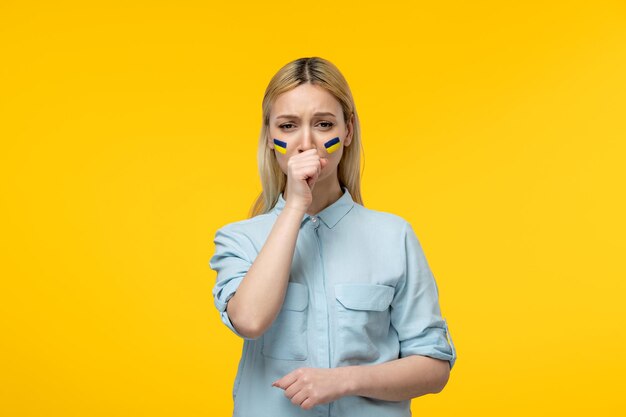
[[307, 141]]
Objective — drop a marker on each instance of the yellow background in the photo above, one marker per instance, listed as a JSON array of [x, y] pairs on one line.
[[128, 136]]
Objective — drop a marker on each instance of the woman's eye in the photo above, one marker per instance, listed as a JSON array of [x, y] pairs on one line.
[[287, 125]]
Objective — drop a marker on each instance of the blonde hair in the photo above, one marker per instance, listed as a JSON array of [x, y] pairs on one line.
[[317, 71]]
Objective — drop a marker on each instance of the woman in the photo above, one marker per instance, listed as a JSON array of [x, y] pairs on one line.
[[336, 303]]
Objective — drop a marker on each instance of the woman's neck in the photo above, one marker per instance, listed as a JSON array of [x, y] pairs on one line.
[[323, 196]]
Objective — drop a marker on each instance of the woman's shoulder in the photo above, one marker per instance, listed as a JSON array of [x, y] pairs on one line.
[[382, 218]]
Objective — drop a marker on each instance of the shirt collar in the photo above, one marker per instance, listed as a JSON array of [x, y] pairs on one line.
[[330, 215]]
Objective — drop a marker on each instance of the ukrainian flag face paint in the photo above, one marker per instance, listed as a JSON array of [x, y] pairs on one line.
[[280, 146], [332, 145]]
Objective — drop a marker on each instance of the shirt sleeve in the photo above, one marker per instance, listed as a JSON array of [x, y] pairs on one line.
[[415, 312], [231, 263]]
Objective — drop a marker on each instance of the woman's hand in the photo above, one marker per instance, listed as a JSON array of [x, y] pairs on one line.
[[308, 387], [303, 170]]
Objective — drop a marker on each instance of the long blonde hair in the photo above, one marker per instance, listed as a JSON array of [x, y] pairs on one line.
[[317, 71]]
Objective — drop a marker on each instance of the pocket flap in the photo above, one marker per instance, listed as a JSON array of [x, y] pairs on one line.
[[296, 297], [375, 297]]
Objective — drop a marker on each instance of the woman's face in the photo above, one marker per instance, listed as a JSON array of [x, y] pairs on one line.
[[296, 120]]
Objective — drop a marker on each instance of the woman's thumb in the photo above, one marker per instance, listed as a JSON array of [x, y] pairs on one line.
[[323, 162]]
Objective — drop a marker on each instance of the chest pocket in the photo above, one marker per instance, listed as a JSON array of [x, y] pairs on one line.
[[286, 338], [363, 321]]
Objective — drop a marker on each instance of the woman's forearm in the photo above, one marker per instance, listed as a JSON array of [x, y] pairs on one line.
[[260, 295], [397, 380]]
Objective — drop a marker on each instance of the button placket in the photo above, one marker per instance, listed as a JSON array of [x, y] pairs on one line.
[[324, 348]]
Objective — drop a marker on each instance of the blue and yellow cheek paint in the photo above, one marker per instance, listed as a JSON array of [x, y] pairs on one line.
[[280, 146], [332, 145]]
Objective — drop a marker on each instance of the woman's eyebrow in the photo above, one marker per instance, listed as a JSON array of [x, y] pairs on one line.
[[293, 116]]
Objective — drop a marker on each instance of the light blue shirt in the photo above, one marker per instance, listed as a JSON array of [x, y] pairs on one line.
[[360, 292]]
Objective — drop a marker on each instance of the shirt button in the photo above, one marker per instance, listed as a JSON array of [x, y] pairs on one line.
[[314, 219]]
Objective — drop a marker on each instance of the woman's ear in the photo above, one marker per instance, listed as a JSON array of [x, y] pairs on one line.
[[350, 128]]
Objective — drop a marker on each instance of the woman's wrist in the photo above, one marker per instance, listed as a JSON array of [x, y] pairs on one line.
[[294, 208], [349, 375], [294, 213]]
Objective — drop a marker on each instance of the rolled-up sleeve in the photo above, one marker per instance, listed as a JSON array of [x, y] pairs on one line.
[[415, 312], [231, 262]]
